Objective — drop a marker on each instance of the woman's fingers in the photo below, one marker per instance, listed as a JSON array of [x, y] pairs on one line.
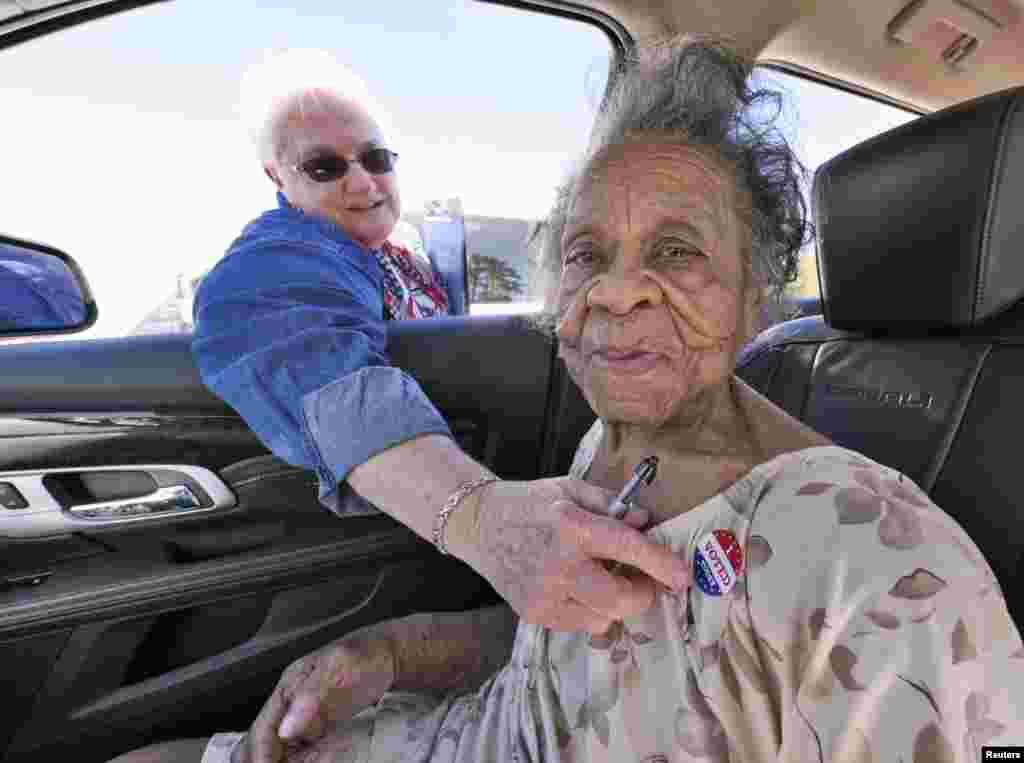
[[601, 537], [613, 594], [304, 719], [340, 681], [534, 539], [261, 744], [573, 616], [264, 743], [638, 518], [324, 694]]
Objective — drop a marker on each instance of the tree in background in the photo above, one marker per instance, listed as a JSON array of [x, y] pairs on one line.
[[493, 280]]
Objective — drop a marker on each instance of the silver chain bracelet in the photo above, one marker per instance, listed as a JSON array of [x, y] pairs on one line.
[[451, 504]]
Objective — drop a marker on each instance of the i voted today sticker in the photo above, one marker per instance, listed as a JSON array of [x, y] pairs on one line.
[[717, 562]]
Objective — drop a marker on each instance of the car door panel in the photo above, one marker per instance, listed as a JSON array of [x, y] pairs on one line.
[[114, 687], [182, 626], [145, 625]]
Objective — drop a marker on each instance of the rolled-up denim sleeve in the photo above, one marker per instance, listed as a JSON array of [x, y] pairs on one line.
[[384, 402], [292, 339]]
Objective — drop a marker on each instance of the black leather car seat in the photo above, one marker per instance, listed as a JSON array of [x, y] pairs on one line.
[[918, 360]]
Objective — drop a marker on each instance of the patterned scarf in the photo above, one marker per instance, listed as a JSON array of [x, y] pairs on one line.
[[411, 288]]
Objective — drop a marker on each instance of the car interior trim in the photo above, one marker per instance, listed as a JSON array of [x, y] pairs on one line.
[[251, 649], [32, 24], [945, 446], [203, 583], [616, 32], [802, 72]]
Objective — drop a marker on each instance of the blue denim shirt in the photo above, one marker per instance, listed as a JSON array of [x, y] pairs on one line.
[[289, 331]]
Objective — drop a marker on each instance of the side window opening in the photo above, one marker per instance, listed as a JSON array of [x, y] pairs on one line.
[[159, 175], [820, 122]]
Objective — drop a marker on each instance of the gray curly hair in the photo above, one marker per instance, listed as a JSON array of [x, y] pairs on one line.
[[695, 91]]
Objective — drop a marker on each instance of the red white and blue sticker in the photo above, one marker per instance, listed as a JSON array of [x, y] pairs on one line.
[[717, 563]]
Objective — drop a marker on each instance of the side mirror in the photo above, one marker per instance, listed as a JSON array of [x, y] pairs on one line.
[[42, 291]]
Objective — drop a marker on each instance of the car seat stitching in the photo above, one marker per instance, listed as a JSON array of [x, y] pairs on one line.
[[809, 385], [958, 413], [820, 221], [990, 204]]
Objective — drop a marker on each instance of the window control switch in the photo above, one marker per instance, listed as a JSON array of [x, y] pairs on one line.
[[10, 498]]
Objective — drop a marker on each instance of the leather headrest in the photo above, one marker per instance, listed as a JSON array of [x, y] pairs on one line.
[[923, 226]]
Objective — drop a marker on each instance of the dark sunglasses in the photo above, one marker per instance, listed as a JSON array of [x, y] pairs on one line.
[[327, 168]]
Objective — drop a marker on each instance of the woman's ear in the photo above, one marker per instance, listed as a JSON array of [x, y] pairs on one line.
[[754, 298], [272, 174]]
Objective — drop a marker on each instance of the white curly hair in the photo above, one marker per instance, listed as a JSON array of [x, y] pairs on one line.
[[298, 81]]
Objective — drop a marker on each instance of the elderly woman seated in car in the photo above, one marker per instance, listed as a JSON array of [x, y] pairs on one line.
[[836, 613]]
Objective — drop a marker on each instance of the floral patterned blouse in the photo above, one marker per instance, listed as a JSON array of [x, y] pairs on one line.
[[866, 627]]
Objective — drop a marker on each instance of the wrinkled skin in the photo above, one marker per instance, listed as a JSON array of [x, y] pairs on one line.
[[330, 124], [655, 261], [315, 692], [542, 545]]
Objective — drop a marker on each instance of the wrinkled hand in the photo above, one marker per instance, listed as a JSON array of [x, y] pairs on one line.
[[329, 685], [541, 545]]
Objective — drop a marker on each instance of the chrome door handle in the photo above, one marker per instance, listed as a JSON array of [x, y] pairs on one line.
[[44, 515], [163, 501]]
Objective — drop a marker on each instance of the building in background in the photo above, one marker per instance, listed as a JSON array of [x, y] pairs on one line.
[[174, 314]]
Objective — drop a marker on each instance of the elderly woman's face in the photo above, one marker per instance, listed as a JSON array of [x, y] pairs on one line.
[[654, 298], [364, 205]]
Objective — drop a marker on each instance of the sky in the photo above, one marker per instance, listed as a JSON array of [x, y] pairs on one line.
[[127, 149]]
